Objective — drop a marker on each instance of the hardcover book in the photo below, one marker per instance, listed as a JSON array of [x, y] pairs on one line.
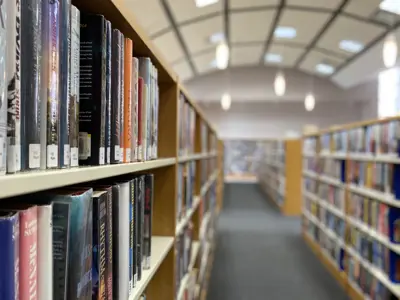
[[145, 73], [108, 92], [127, 100], [122, 99], [132, 264], [141, 128], [148, 216], [45, 251], [135, 96], [140, 225], [3, 85]]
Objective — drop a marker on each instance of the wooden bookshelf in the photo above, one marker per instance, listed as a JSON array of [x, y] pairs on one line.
[[279, 174]]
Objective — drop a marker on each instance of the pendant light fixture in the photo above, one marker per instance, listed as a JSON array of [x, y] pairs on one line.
[[280, 84], [226, 101], [389, 51], [222, 56], [309, 102]]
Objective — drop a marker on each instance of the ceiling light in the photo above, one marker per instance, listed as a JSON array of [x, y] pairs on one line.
[[222, 56], [392, 6], [203, 3], [273, 58], [285, 32], [216, 38], [389, 51], [309, 102], [280, 84], [226, 101], [351, 46], [324, 69]]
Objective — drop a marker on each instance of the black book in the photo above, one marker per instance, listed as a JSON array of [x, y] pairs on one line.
[[140, 224], [115, 239], [108, 91], [116, 96], [92, 91], [148, 216]]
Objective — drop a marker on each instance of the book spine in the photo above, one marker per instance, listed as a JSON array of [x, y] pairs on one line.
[[14, 86], [30, 83], [122, 99], [131, 234], [153, 111], [99, 248], [65, 63], [139, 120], [109, 246], [148, 217], [108, 92], [116, 235], [74, 95], [28, 254], [123, 250], [116, 95], [135, 75], [128, 99], [4, 15], [144, 72], [102, 157], [45, 253], [135, 230], [155, 115], [140, 225]]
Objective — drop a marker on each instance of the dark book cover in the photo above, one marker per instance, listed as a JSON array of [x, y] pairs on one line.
[[122, 87], [116, 96], [65, 68], [148, 216], [140, 224], [135, 197], [99, 245], [109, 244], [115, 239], [9, 252], [92, 96], [31, 41], [108, 91]]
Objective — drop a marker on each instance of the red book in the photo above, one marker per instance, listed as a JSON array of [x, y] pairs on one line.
[[28, 252], [139, 114]]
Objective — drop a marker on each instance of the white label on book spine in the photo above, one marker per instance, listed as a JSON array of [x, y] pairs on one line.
[[52, 156], [121, 154], [17, 157], [67, 155], [74, 157], [117, 153], [11, 159], [128, 154], [108, 155], [101, 156], [34, 156], [2, 151], [140, 153]]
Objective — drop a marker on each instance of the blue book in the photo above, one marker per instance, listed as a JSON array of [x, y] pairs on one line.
[[9, 252]]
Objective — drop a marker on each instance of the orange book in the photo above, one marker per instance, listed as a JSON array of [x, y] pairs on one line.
[[128, 60]]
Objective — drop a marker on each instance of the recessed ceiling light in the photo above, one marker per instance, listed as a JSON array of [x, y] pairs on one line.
[[351, 46], [217, 37], [203, 3], [273, 58], [213, 63], [285, 32], [325, 69], [392, 6]]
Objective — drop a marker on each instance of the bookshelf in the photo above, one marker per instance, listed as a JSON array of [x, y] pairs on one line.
[[279, 174], [351, 205], [194, 226]]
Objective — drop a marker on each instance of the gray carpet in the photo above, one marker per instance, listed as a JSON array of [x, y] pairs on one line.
[[261, 255]]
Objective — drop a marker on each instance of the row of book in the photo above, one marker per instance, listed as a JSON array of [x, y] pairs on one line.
[[183, 254], [331, 194], [91, 241], [73, 94], [186, 173], [331, 167], [187, 123]]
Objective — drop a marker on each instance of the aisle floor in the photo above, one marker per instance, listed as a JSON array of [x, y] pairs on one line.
[[261, 255]]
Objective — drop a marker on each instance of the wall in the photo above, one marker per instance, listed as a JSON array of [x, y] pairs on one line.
[[273, 120]]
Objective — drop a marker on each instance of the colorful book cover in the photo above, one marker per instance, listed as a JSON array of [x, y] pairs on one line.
[[108, 92], [99, 275], [9, 252], [122, 99], [31, 41], [128, 49], [14, 85], [74, 86]]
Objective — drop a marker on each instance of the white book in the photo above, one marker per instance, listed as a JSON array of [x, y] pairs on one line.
[[123, 249], [3, 84], [45, 254]]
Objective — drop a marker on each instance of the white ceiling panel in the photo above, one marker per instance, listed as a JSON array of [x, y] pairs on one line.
[[314, 58], [184, 10], [289, 55], [363, 8], [183, 70], [345, 28], [329, 4], [168, 44], [197, 35], [306, 23], [203, 62], [251, 26], [149, 14], [249, 55], [251, 3]]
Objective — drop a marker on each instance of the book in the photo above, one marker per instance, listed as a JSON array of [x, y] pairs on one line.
[[3, 86], [74, 86], [155, 115], [109, 243], [148, 218], [122, 99], [9, 252], [13, 86], [99, 275], [31, 41], [135, 77], [145, 73], [132, 265], [128, 49], [140, 225], [92, 99], [116, 97], [140, 108], [108, 91]]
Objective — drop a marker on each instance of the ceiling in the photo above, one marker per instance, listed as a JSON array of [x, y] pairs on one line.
[[182, 31]]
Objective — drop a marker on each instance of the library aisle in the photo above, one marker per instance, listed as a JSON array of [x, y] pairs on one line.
[[260, 254]]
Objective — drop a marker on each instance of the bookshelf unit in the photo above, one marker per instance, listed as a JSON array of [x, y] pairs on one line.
[[279, 174], [160, 281], [351, 205]]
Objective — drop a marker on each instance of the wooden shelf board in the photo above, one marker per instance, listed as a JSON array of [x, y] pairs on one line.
[[196, 156]]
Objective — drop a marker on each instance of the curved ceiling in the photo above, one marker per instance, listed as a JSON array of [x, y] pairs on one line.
[[182, 32]]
